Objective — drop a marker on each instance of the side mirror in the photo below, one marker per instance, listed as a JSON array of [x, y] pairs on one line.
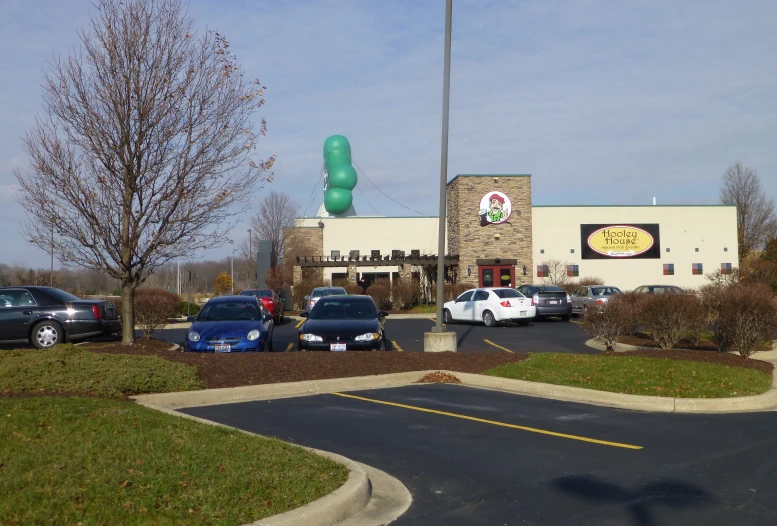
[[383, 314], [303, 314], [191, 319]]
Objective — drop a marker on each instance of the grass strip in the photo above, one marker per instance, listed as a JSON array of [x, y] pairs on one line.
[[69, 369], [97, 461], [638, 375]]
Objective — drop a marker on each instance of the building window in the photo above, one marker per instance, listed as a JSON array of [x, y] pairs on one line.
[[697, 269], [542, 271], [542, 251], [725, 268], [697, 250], [335, 253], [725, 249], [571, 250], [668, 250], [573, 271], [668, 269]]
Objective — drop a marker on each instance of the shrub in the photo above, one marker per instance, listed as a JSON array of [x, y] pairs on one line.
[[667, 317], [586, 281], [349, 286], [276, 278], [153, 307], [380, 291], [749, 316], [450, 292], [713, 301], [302, 289], [608, 323], [633, 304], [222, 284], [186, 309], [405, 293]]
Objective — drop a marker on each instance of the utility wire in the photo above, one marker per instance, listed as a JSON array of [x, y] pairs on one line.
[[384, 193], [368, 201], [313, 193]]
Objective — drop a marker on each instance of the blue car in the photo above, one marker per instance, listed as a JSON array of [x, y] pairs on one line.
[[231, 324]]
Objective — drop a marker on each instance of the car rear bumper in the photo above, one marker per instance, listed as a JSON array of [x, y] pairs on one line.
[[514, 313], [554, 310], [349, 346]]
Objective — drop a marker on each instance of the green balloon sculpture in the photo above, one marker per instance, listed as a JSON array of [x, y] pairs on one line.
[[342, 176]]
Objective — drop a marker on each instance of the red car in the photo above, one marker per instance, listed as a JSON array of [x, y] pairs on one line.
[[271, 302]]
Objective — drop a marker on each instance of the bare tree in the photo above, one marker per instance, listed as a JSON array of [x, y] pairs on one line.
[[557, 272], [144, 152], [275, 212], [756, 218]]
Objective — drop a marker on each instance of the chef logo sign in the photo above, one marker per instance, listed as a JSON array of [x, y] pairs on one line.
[[620, 241], [495, 208]]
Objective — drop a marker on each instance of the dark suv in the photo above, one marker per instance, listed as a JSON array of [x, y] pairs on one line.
[[550, 300]]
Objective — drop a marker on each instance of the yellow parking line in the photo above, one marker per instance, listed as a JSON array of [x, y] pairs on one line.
[[578, 322], [433, 319], [396, 346], [300, 323], [288, 349], [494, 422], [498, 346]]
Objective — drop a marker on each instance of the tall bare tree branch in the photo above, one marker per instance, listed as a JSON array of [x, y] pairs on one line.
[[275, 212], [756, 217], [145, 149]]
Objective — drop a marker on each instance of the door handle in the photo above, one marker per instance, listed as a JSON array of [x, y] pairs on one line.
[[27, 312]]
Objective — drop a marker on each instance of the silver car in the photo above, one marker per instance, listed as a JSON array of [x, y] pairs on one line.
[[584, 297], [320, 292]]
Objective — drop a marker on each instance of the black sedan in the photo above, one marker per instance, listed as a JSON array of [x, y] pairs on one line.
[[550, 300], [343, 323], [46, 316]]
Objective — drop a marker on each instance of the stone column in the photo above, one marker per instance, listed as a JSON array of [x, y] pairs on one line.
[[296, 275], [352, 275]]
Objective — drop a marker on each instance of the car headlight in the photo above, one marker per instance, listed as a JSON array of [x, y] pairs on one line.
[[193, 336], [370, 336], [310, 338], [253, 335]]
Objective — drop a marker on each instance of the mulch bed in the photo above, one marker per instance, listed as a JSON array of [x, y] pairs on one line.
[[644, 341], [233, 370], [699, 356]]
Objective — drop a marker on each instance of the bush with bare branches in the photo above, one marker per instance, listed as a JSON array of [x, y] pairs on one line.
[[153, 307], [714, 300], [450, 292], [380, 291], [302, 289], [632, 302], [405, 293], [746, 316], [585, 281], [608, 322], [667, 317]]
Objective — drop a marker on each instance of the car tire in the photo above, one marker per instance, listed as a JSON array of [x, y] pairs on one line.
[[268, 345], [488, 319], [446, 317], [565, 318], [46, 334], [383, 346]]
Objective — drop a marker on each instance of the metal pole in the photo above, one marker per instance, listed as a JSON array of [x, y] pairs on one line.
[[178, 278], [443, 169], [232, 279], [51, 279]]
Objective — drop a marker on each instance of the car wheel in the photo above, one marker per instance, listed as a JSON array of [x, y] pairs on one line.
[[268, 345], [47, 334], [382, 345], [488, 319], [565, 318], [446, 317]]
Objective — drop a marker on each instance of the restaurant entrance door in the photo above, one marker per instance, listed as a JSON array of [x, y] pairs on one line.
[[496, 276]]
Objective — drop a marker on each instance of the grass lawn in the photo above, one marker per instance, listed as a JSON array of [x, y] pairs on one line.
[[69, 369], [97, 461], [637, 375]]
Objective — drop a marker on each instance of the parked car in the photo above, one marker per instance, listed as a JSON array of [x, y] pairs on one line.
[[46, 316], [270, 300], [321, 292], [659, 289], [550, 300], [231, 324], [489, 306], [585, 297], [343, 323]]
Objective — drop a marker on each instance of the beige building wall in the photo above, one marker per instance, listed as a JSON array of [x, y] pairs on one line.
[[374, 233], [688, 235]]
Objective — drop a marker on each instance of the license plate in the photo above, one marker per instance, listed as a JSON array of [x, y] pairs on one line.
[[523, 313], [223, 348], [336, 346], [553, 302]]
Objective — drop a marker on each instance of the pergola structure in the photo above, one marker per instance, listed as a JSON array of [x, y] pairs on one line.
[[353, 261]]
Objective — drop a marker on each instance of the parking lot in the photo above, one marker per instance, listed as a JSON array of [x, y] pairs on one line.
[[472, 456], [407, 335]]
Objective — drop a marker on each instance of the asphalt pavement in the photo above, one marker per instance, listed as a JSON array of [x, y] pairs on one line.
[[549, 335], [472, 456]]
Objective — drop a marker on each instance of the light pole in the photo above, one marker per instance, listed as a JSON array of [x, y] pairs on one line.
[[250, 256], [232, 279], [51, 279]]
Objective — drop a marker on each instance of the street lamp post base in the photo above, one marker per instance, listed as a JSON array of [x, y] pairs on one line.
[[440, 341]]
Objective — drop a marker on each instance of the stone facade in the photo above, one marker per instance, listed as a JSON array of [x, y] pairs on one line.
[[303, 241], [476, 238]]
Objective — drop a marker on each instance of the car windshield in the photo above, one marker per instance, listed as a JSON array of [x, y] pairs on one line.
[[61, 295], [332, 291], [229, 311], [257, 293], [508, 293], [604, 291], [342, 308]]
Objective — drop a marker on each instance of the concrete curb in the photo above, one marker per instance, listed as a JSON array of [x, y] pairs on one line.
[[345, 502], [620, 347]]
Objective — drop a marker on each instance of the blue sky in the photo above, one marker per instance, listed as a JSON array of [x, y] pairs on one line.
[[602, 102]]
